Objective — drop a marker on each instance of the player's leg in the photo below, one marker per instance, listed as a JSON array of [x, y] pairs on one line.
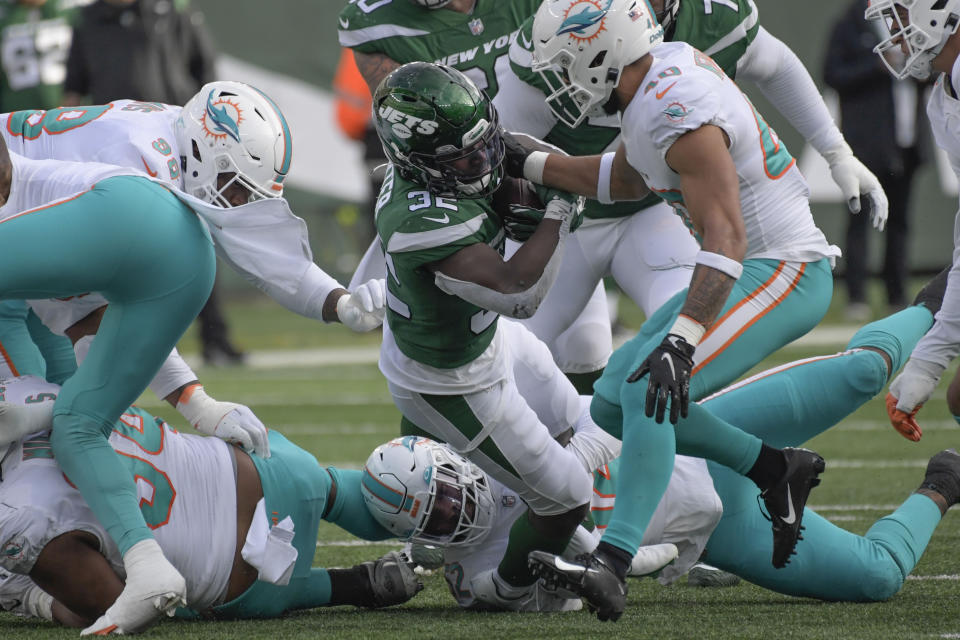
[[152, 258], [497, 430], [833, 564], [573, 319], [792, 403], [19, 356], [56, 350], [654, 257]]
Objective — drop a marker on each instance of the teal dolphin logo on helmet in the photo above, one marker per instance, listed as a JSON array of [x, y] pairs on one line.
[[580, 22], [221, 120]]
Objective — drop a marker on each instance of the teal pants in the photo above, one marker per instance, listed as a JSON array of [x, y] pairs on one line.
[[786, 407], [152, 259], [759, 318], [295, 485]]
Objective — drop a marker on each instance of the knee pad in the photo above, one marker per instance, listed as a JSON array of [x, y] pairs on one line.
[[583, 348], [867, 372]]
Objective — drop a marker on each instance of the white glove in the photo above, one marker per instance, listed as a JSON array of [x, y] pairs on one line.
[[915, 384], [362, 309], [229, 421], [855, 179]]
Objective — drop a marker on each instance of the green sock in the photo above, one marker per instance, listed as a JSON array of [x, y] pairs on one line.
[[583, 382], [524, 538]]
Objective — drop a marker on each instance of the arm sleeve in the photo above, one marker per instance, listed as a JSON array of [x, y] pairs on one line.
[[785, 82], [268, 246], [941, 344], [522, 107]]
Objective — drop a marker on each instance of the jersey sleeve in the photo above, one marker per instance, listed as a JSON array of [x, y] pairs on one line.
[[380, 29], [688, 105], [722, 30], [437, 232]]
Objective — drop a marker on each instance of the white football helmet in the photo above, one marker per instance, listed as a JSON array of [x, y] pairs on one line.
[[581, 46], [923, 26], [423, 491], [432, 4], [231, 127]]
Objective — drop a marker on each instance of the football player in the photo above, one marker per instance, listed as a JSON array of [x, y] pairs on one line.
[[488, 388], [81, 214], [154, 137], [785, 405], [926, 34], [651, 256], [475, 37], [255, 519], [762, 276]]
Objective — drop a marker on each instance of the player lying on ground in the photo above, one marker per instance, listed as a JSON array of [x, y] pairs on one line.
[[241, 529], [787, 406]]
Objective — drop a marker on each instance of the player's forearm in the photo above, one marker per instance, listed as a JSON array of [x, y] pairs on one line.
[[576, 174], [374, 67], [708, 291]]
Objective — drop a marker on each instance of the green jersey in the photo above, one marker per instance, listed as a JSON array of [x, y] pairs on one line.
[[417, 228], [34, 43], [723, 29], [474, 43]]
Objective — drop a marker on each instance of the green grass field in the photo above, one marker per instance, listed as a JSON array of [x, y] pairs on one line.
[[340, 412]]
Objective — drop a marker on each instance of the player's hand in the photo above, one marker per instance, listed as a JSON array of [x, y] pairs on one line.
[[518, 147], [563, 206], [229, 421], [521, 221], [908, 391], [854, 180], [669, 366], [362, 309]]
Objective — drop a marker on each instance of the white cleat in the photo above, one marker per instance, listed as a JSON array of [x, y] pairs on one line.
[[154, 587], [652, 558], [489, 588]]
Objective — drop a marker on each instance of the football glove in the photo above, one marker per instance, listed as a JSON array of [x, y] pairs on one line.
[[854, 180], [362, 309], [518, 147], [229, 421], [670, 366], [562, 205], [908, 391]]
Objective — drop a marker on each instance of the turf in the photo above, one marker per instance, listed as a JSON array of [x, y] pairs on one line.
[[340, 412]]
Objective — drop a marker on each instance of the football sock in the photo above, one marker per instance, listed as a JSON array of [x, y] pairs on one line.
[[350, 586], [769, 467], [583, 382], [525, 538], [618, 559]]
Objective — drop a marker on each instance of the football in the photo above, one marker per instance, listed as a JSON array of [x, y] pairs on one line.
[[515, 191]]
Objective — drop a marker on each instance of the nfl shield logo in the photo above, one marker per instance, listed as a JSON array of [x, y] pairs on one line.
[[476, 26]]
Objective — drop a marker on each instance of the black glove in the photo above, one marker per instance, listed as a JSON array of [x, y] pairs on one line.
[[518, 147], [669, 366]]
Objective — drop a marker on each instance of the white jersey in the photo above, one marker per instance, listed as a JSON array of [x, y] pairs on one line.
[[684, 90], [126, 133], [186, 486], [941, 344], [686, 516]]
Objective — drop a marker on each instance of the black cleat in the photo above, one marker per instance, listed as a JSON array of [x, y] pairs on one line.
[[590, 578], [931, 295], [785, 500], [943, 476]]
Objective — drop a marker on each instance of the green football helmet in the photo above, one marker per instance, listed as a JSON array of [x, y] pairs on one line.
[[440, 130]]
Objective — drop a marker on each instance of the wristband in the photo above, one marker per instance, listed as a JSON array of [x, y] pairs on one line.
[[603, 178], [533, 166], [716, 261], [688, 329]]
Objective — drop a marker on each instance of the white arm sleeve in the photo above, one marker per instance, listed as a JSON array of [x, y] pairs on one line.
[[513, 305], [941, 344], [268, 245], [786, 83], [522, 107]]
